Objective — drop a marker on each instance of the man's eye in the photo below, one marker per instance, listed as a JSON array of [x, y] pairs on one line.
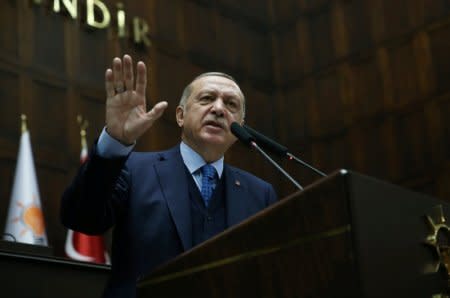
[[206, 98], [232, 106]]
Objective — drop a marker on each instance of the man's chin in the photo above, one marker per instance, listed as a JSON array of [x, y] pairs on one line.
[[215, 140]]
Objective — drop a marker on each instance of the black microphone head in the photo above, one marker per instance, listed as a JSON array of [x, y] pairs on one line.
[[241, 133], [267, 143]]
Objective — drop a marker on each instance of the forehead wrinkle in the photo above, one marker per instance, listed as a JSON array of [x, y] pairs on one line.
[[229, 89], [226, 93]]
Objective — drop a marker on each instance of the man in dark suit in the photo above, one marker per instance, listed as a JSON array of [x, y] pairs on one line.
[[162, 203]]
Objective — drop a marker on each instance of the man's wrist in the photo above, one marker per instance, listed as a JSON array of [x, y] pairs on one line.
[[109, 147], [126, 144]]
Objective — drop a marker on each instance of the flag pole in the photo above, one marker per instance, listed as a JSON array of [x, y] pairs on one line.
[[23, 121], [84, 124]]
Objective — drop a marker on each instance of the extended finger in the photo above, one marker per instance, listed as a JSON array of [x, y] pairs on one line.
[[128, 72], [109, 83], [141, 79], [118, 75], [157, 110]]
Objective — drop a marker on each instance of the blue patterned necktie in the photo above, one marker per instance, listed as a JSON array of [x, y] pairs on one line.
[[208, 182]]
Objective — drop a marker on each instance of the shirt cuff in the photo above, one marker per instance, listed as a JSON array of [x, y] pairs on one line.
[[108, 147]]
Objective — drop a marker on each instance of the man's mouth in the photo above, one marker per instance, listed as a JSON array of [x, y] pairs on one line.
[[214, 124]]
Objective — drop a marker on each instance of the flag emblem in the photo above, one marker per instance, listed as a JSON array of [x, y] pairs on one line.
[[25, 222]]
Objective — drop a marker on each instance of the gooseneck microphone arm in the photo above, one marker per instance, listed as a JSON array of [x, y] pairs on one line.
[[247, 139], [279, 149], [254, 145], [293, 157]]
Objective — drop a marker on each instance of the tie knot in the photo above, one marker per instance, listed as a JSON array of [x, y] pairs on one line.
[[208, 171]]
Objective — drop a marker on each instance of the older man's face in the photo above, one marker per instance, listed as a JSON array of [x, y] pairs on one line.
[[215, 102]]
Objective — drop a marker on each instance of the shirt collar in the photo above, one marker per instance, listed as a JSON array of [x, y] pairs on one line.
[[194, 161]]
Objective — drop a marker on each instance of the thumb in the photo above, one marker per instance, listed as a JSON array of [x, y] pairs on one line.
[[157, 110]]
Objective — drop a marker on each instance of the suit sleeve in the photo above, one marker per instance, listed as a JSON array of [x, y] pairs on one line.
[[97, 196]]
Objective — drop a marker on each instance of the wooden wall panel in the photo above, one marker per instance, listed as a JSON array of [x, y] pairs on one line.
[[254, 11], [9, 38], [381, 152], [357, 148], [9, 105], [93, 110], [326, 111], [230, 33], [431, 11], [321, 38], [48, 41], [166, 21], [169, 83], [200, 25], [380, 77], [413, 143], [257, 60], [355, 19], [259, 109], [442, 185], [396, 18], [94, 56], [444, 108], [365, 88], [286, 11], [403, 67], [435, 125], [312, 6], [47, 123], [291, 59], [440, 47], [291, 106], [163, 135]]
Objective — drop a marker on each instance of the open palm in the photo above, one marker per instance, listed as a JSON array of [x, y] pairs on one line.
[[126, 111]]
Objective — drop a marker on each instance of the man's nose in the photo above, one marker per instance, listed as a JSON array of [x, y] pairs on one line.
[[218, 107]]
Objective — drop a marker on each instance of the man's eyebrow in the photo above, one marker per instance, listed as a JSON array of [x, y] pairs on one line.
[[228, 92]]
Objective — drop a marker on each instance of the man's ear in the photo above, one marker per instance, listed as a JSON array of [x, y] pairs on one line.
[[242, 122], [180, 115]]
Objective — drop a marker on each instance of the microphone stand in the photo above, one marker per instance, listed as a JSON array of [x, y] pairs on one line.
[[254, 145], [278, 149], [293, 157]]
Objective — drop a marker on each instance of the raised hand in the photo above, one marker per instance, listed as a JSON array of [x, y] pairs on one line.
[[126, 112]]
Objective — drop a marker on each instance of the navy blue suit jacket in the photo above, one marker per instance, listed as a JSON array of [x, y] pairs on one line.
[[145, 197]]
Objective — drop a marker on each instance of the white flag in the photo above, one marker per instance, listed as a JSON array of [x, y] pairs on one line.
[[25, 221]]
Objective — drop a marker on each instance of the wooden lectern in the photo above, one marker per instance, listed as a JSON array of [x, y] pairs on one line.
[[346, 235], [30, 271]]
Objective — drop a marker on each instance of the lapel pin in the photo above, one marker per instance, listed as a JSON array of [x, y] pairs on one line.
[[237, 182]]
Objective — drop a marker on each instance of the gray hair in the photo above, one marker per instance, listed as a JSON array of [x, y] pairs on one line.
[[188, 89]]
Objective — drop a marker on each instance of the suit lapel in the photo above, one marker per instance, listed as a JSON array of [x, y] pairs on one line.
[[235, 197], [172, 176]]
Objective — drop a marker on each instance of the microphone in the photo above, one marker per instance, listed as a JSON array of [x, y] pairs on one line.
[[267, 142], [249, 140], [278, 149]]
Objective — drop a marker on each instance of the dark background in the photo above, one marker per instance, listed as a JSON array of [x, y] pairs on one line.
[[358, 84]]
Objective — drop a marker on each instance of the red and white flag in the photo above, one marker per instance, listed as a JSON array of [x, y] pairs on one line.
[[25, 221], [82, 247]]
